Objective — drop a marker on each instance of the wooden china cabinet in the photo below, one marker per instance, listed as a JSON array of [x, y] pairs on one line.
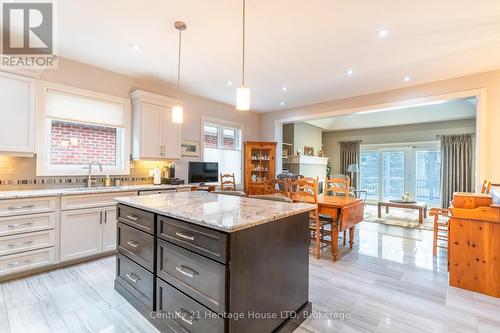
[[260, 165]]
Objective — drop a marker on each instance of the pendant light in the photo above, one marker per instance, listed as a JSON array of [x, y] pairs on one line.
[[243, 93], [178, 111]]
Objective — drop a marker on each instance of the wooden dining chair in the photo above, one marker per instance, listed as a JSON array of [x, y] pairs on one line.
[[441, 228], [306, 190], [277, 186], [227, 182], [338, 185], [334, 186]]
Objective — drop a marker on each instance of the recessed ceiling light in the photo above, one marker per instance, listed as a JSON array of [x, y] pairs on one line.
[[135, 46], [406, 78], [229, 83], [382, 33], [350, 71], [285, 88], [282, 103]]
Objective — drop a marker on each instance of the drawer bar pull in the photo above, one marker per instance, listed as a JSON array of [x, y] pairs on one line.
[[132, 277], [182, 314], [19, 225], [180, 234], [17, 263], [20, 207], [20, 244], [186, 271], [134, 244], [132, 217]]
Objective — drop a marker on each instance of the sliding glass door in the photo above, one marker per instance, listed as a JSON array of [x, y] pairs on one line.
[[387, 172], [393, 174], [428, 176], [369, 179]]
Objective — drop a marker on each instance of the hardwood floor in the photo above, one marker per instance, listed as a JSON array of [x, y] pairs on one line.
[[388, 283]]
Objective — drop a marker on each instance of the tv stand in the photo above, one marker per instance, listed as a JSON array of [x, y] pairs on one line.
[[203, 187]]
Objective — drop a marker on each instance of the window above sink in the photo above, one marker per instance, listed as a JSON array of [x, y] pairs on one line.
[[75, 127]]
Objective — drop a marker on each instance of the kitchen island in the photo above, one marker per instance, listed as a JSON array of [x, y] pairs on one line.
[[204, 262]]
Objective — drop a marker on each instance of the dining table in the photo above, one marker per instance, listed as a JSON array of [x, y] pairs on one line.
[[345, 212]]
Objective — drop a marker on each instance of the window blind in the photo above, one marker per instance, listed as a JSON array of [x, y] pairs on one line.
[[66, 106]]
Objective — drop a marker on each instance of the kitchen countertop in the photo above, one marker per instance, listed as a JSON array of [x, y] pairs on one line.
[[83, 190], [217, 211]]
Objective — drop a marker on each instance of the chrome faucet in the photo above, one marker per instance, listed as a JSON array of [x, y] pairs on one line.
[[89, 179]]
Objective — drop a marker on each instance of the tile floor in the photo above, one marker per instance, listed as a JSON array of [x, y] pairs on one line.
[[389, 282]]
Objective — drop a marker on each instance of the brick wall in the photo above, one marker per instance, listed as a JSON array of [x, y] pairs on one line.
[[77, 144], [229, 143], [210, 141]]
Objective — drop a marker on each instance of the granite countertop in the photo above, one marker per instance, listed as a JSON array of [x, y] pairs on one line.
[[82, 190], [217, 211]]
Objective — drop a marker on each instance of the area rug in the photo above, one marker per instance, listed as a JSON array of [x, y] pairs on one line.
[[406, 218]]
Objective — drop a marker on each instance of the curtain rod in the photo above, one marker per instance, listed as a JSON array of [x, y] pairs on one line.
[[440, 135]]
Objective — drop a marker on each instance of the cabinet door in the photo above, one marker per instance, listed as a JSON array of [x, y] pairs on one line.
[[17, 113], [151, 131], [171, 136], [109, 229], [81, 233]]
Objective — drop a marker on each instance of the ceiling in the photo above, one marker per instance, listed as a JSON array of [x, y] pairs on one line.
[[441, 111], [305, 45]]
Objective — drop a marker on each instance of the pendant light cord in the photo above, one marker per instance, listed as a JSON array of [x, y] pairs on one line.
[[243, 55], [179, 66]]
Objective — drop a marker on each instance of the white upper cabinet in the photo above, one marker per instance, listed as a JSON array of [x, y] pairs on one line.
[[17, 114], [154, 134]]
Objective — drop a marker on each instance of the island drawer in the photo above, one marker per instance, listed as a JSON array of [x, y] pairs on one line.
[[201, 278], [185, 312], [136, 218], [204, 241], [137, 245], [137, 280]]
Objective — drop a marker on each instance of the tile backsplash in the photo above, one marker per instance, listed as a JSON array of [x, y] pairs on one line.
[[20, 172]]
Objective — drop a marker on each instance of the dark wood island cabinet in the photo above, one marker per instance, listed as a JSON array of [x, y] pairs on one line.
[[203, 262]]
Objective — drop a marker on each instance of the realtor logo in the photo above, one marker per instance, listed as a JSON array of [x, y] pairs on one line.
[[28, 34]]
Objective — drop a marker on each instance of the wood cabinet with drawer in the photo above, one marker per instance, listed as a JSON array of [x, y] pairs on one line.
[[69, 202], [207, 242], [26, 242], [137, 245], [16, 207], [23, 261], [28, 234], [184, 312], [197, 276], [13, 225], [136, 218], [202, 274], [137, 280]]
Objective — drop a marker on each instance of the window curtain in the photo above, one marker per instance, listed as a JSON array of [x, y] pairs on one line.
[[456, 165], [349, 154]]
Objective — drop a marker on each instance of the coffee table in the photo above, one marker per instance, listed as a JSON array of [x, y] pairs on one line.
[[420, 206]]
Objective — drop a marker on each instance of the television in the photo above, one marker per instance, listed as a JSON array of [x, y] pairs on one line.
[[203, 172]]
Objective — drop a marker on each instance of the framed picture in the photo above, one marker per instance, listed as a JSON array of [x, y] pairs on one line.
[[308, 151], [190, 148]]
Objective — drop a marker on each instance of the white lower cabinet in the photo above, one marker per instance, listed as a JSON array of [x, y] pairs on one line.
[[109, 230], [86, 232]]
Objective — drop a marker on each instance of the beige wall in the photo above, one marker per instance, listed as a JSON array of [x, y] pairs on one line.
[[489, 120], [84, 76], [393, 134], [307, 135]]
